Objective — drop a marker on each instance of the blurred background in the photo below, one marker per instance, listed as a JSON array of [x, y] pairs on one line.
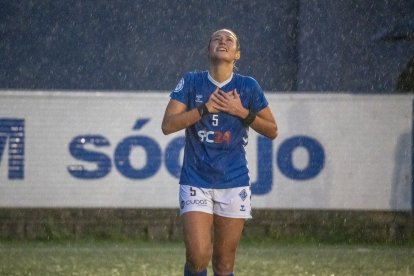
[[341, 46]]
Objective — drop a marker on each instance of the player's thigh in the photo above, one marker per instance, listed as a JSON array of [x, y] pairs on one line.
[[197, 228], [227, 233]]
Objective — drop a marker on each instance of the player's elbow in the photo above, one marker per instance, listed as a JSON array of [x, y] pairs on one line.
[[168, 128], [274, 135], [273, 132], [165, 129]]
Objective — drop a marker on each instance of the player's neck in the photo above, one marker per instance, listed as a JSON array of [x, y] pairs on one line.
[[221, 72]]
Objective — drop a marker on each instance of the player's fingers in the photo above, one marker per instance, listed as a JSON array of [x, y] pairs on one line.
[[217, 99], [227, 96], [221, 96]]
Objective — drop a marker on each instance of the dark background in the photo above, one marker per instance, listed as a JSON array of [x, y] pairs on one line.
[[287, 45]]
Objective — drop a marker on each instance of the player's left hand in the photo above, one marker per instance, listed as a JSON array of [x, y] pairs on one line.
[[229, 102]]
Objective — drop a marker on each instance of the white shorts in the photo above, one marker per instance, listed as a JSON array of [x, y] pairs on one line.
[[232, 202]]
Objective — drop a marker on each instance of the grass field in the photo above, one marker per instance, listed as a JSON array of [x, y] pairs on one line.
[[167, 258]]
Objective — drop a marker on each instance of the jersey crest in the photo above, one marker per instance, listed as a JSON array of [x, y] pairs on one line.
[[179, 86]]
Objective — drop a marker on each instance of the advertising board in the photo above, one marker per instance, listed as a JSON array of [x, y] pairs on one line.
[[92, 149]]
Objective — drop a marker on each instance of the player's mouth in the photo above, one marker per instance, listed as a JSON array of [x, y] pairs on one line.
[[222, 49]]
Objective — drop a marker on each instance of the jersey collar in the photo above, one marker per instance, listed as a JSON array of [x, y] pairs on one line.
[[219, 84]]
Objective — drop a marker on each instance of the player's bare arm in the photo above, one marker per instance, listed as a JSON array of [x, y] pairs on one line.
[[265, 123], [177, 117]]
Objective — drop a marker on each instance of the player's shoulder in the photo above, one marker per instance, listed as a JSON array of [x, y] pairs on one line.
[[195, 75], [190, 79], [247, 80]]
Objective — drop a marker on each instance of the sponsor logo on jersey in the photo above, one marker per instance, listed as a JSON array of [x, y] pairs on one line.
[[215, 137], [199, 98]]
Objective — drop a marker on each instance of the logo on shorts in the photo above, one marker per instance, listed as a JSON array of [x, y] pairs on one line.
[[242, 208], [243, 194], [198, 202]]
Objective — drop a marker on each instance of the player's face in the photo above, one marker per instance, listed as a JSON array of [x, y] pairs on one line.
[[223, 46]]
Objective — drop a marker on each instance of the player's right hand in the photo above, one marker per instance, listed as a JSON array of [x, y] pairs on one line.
[[213, 103]]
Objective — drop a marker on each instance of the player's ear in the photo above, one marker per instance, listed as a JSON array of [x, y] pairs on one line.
[[237, 57]]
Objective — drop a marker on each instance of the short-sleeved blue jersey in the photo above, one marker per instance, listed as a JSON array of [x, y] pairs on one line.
[[214, 154]]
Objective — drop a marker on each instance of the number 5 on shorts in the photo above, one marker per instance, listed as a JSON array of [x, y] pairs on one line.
[[193, 192]]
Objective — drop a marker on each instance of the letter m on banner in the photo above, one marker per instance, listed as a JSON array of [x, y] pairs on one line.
[[12, 134]]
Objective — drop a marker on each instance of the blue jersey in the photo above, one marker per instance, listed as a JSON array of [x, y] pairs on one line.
[[214, 154]]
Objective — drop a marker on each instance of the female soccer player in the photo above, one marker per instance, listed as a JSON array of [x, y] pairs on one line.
[[216, 109]]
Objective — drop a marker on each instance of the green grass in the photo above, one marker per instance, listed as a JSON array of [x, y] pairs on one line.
[[167, 258]]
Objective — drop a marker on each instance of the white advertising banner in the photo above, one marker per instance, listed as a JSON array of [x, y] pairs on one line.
[[74, 149]]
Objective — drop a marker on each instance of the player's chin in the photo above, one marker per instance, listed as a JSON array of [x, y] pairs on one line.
[[223, 57]]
